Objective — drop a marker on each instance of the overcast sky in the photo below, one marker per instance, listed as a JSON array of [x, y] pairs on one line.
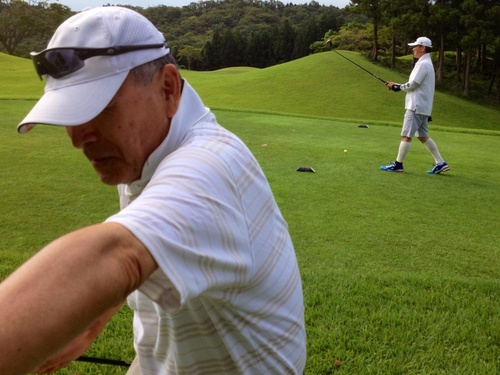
[[81, 4]]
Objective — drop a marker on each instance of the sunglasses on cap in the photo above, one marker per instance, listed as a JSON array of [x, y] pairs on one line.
[[59, 62]]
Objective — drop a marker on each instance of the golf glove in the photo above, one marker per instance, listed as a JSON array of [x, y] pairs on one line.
[[396, 88]]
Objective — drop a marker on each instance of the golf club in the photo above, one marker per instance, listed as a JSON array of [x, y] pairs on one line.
[[104, 361], [359, 66]]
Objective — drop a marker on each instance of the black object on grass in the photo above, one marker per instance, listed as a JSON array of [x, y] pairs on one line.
[[104, 361], [305, 169]]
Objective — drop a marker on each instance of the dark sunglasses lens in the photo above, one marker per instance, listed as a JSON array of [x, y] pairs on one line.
[[57, 63]]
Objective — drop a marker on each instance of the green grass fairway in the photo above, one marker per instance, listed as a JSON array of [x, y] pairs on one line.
[[401, 272]]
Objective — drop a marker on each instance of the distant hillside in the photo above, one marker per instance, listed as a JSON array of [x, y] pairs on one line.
[[326, 85], [323, 85]]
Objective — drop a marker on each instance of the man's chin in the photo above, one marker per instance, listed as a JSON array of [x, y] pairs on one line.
[[109, 181], [115, 173], [114, 179], [111, 178]]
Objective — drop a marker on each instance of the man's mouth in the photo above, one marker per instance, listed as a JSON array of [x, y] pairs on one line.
[[97, 162]]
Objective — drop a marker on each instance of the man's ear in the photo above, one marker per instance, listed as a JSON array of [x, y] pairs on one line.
[[171, 88]]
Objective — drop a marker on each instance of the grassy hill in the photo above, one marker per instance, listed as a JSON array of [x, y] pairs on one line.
[[400, 271], [322, 85]]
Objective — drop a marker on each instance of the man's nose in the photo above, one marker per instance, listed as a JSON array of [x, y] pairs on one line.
[[81, 134]]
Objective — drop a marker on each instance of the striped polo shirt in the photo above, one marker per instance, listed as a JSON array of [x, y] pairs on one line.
[[227, 296]]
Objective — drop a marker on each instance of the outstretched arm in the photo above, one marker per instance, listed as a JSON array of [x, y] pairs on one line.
[[408, 86], [64, 289]]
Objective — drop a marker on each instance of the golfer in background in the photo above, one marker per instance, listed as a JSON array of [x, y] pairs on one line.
[[418, 104], [199, 249]]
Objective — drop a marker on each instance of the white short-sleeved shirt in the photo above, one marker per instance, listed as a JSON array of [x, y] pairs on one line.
[[227, 297], [420, 87]]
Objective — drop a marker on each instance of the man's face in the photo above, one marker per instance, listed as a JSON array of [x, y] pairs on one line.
[[120, 139], [418, 51]]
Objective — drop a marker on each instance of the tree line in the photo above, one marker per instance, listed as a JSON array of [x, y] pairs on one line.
[[215, 34], [466, 30]]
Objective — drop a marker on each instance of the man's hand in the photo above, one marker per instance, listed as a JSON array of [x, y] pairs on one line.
[[393, 86]]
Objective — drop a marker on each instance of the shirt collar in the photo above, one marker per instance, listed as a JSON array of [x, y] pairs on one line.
[[191, 110]]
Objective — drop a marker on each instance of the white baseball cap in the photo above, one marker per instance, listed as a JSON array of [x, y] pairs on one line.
[[422, 41], [89, 78]]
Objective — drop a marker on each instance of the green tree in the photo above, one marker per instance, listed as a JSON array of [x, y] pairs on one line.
[[444, 18], [225, 49], [354, 36], [373, 10], [260, 50], [25, 26], [474, 22], [212, 49], [307, 35], [397, 27], [492, 17], [285, 37], [189, 54], [16, 24], [233, 48]]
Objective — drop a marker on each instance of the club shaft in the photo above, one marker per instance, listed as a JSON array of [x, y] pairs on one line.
[[104, 361], [359, 66]]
